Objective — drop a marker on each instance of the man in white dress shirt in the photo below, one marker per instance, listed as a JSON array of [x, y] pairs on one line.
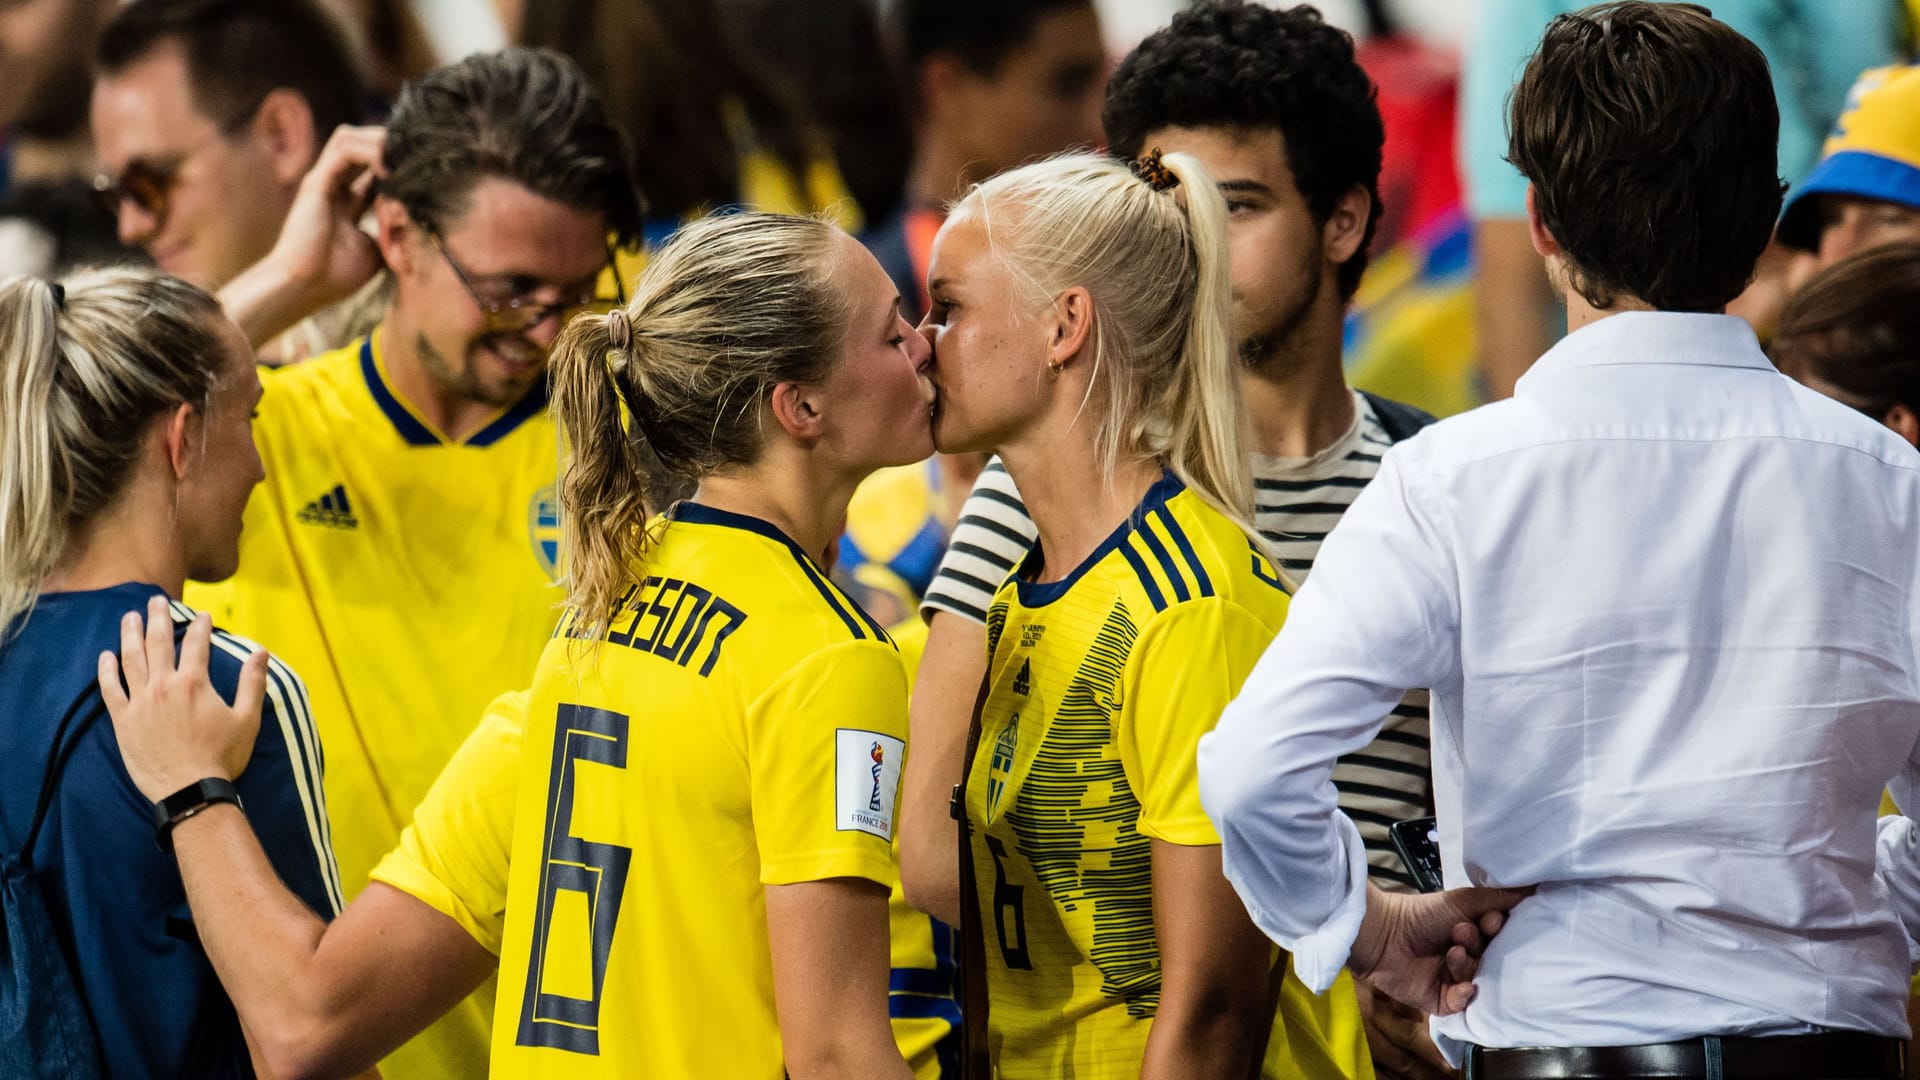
[[1668, 602]]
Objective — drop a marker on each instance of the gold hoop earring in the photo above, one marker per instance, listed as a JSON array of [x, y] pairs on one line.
[[1054, 368]]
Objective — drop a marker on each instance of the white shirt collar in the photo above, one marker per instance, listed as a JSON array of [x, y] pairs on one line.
[[1655, 337]]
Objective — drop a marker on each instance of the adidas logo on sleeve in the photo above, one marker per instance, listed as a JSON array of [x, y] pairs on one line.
[[331, 510]]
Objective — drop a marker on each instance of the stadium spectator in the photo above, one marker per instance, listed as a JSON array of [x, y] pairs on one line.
[[994, 84], [206, 115], [713, 130], [719, 910], [127, 462], [1080, 326], [1634, 710], [834, 55], [412, 473], [43, 99], [1274, 105], [1865, 191], [1852, 332], [1814, 51]]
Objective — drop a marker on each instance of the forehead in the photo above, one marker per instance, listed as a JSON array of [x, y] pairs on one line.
[[506, 228], [1063, 38], [146, 109], [961, 237], [1231, 153]]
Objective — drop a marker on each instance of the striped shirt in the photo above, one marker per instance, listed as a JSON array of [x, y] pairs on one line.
[[1297, 502]]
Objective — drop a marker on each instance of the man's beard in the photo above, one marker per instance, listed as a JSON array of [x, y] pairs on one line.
[[465, 381], [1274, 348]]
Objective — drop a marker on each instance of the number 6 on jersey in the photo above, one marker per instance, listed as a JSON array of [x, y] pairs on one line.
[[581, 883]]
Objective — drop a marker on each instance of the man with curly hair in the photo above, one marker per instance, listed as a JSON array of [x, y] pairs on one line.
[[1274, 104]]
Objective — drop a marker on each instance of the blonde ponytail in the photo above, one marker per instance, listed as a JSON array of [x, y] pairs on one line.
[[733, 305], [88, 363], [1152, 254], [1207, 423], [33, 528]]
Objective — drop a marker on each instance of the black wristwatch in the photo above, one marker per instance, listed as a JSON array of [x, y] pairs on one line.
[[187, 802]]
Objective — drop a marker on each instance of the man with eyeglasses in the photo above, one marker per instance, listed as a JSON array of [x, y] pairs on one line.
[[402, 551], [206, 114]]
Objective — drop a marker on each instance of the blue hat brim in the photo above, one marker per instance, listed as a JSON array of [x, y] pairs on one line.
[[1856, 173]]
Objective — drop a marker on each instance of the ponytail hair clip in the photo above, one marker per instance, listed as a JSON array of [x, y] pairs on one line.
[[1153, 171]]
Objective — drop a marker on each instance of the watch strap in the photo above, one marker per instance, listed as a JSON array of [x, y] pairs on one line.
[[187, 802]]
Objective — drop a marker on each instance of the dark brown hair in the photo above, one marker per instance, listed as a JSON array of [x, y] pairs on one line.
[[239, 51], [1855, 328], [684, 92], [1648, 131], [524, 115]]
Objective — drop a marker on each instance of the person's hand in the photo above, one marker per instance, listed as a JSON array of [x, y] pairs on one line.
[[1398, 1039], [173, 727], [1425, 950], [322, 247]]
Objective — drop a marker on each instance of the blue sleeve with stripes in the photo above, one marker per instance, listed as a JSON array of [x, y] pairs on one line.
[[281, 787]]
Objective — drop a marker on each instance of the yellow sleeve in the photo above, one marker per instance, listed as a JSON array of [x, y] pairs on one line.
[[824, 748], [1186, 666], [454, 855]]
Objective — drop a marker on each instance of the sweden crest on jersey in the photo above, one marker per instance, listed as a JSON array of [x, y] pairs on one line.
[[543, 528]]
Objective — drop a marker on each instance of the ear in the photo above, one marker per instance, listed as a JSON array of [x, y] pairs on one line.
[[796, 408], [1070, 327], [394, 232], [1346, 227], [181, 434], [1904, 423], [1543, 242], [283, 128]]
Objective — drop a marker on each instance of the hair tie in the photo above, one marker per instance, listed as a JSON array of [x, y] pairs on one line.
[[59, 294], [619, 330], [1153, 171]]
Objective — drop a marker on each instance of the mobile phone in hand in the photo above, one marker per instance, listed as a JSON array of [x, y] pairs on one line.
[[1418, 842]]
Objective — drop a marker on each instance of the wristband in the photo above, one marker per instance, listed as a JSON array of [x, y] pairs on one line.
[[187, 802]]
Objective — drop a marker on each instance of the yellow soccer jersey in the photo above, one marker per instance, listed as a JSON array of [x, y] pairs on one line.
[[1100, 686], [410, 579], [740, 724], [453, 855]]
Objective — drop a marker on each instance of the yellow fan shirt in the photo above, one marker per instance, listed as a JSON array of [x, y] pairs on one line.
[[1099, 688], [409, 578], [739, 724]]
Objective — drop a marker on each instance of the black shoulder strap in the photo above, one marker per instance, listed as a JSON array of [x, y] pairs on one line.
[[56, 764], [1400, 421]]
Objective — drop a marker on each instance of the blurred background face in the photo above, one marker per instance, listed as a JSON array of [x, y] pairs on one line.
[[510, 243], [219, 205], [1044, 97], [1850, 225], [43, 63]]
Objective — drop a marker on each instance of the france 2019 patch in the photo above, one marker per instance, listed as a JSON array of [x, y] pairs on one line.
[[866, 771]]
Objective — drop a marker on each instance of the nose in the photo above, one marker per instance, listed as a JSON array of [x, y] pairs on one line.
[[919, 345], [135, 225], [545, 332]]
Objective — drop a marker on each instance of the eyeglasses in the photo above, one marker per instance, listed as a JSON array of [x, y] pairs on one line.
[[520, 313], [149, 184]]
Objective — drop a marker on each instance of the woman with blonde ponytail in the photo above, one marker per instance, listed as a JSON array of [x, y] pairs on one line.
[[701, 852], [126, 457], [1080, 329]]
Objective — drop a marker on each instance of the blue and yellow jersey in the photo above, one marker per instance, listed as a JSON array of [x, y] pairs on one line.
[[893, 542], [1099, 688], [740, 723], [409, 578]]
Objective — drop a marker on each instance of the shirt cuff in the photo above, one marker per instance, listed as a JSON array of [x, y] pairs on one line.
[[1321, 954]]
